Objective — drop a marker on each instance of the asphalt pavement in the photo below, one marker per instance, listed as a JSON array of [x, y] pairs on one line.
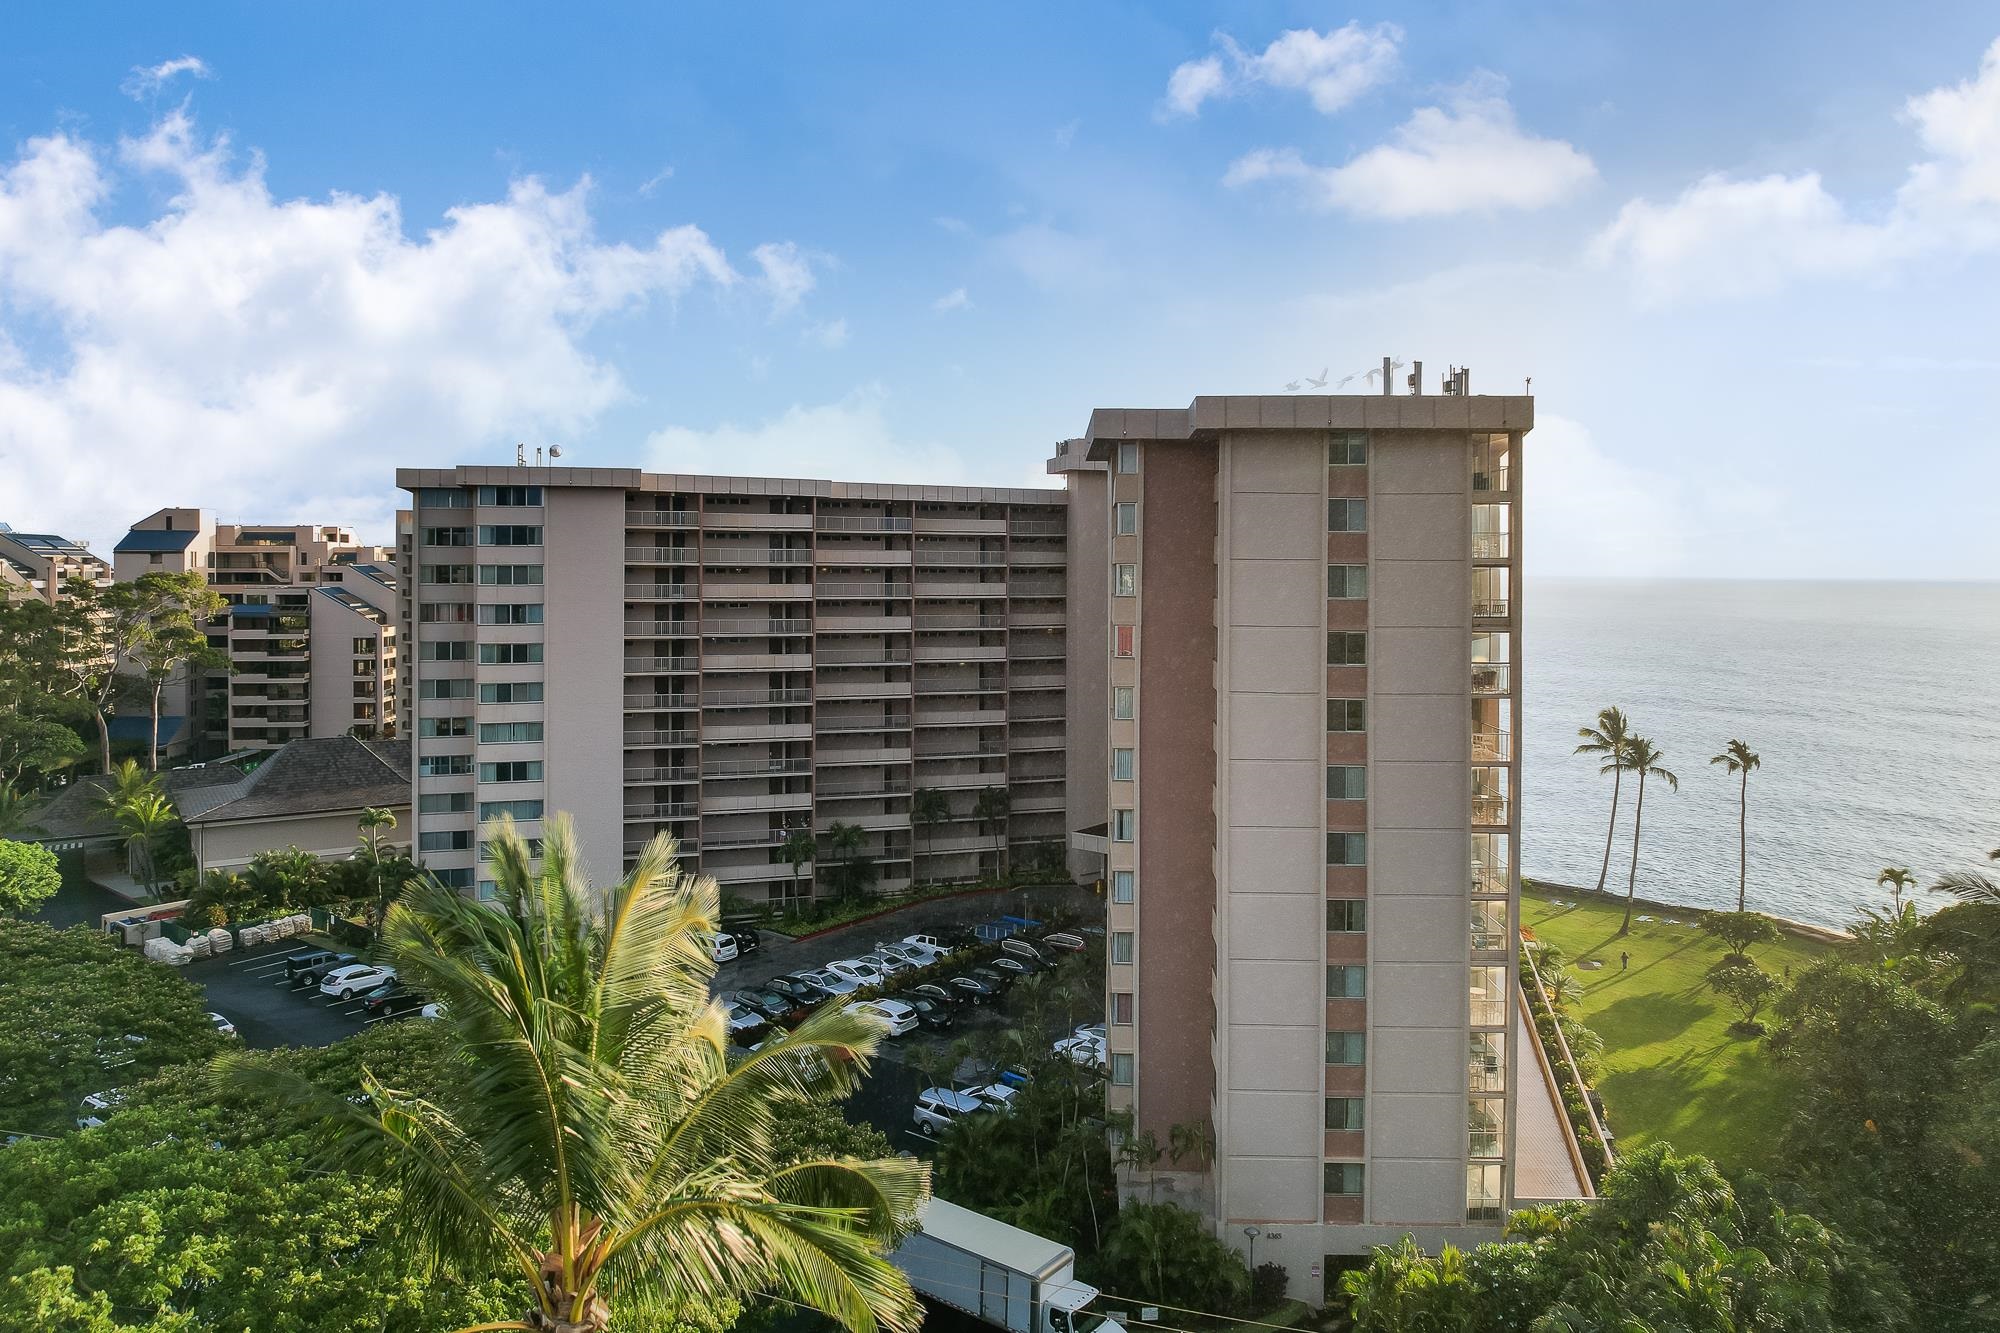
[[250, 990]]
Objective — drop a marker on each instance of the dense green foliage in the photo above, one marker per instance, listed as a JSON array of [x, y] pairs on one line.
[[29, 876], [1739, 932], [80, 1015]]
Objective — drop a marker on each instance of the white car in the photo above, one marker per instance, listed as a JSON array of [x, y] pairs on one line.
[[910, 955], [97, 1106], [898, 1018], [857, 970], [722, 948], [937, 948], [1094, 1031], [888, 964], [831, 982], [745, 1024], [1086, 1051], [938, 1109], [431, 1010], [348, 982], [994, 1096], [222, 1025]]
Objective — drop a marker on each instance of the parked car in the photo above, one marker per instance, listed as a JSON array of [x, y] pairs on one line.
[[350, 980], [994, 977], [941, 991], [391, 1001], [887, 964], [976, 990], [910, 955], [748, 938], [1095, 1031], [831, 982], [1085, 1051], [431, 1010], [1064, 942], [895, 1016], [798, 990], [98, 1106], [860, 971], [312, 976], [938, 1109], [746, 1025], [295, 963], [722, 948], [222, 1025], [932, 1015], [931, 944], [1015, 965], [994, 1096], [1020, 948], [780, 1009]]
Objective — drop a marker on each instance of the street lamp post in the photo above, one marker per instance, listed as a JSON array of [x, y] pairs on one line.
[[1252, 1233]]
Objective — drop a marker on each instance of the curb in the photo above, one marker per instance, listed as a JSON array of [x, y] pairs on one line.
[[900, 907]]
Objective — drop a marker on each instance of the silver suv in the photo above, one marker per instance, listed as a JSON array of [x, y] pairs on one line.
[[938, 1109]]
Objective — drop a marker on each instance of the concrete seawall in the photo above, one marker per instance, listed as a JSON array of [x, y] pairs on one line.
[[1818, 934]]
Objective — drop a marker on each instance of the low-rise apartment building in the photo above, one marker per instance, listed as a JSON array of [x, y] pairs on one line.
[[38, 564], [735, 660], [1312, 661], [310, 630]]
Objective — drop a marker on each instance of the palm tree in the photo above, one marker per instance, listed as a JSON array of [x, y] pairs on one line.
[[991, 810], [128, 783], [601, 1145], [844, 841], [371, 822], [798, 848], [142, 820], [929, 807], [1736, 757], [1896, 879], [1640, 756], [1969, 885], [1607, 738], [1142, 1152]]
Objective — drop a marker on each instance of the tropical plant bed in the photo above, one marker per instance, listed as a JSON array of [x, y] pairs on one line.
[[1672, 1070], [837, 914]]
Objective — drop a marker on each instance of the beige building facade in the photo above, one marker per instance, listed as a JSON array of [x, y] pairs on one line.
[[737, 660], [311, 629], [1312, 649], [38, 564]]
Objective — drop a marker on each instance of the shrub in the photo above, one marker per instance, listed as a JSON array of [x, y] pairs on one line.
[[1268, 1284], [29, 876]]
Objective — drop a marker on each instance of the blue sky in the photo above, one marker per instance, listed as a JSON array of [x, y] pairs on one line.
[[252, 258]]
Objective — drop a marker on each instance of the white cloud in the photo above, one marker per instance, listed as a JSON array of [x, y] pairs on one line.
[[847, 440], [955, 299], [1332, 68], [1469, 156], [147, 79], [653, 184], [1052, 258], [277, 358], [1589, 511], [1726, 236], [956, 226], [788, 273], [831, 335]]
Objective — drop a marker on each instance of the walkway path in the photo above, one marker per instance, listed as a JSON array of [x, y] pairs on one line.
[[1543, 1168]]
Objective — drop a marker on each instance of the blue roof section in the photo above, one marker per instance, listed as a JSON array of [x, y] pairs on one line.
[[251, 609], [126, 728], [149, 540]]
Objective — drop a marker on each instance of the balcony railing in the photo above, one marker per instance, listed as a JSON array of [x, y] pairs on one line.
[[1489, 808], [1492, 677], [724, 557], [639, 740], [842, 725], [1491, 608], [863, 591], [861, 523], [754, 629], [860, 656], [1493, 746], [644, 703], [961, 622], [659, 592], [844, 787], [732, 698], [660, 555], [929, 558], [1490, 545], [1491, 481], [756, 768], [641, 665], [681, 773], [675, 810], [661, 518], [1036, 527]]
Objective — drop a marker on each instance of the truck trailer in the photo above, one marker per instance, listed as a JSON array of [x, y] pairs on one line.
[[999, 1274]]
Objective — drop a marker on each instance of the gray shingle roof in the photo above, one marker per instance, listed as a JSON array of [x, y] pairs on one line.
[[313, 776]]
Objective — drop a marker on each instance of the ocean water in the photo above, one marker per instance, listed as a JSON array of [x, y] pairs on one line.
[[1875, 708]]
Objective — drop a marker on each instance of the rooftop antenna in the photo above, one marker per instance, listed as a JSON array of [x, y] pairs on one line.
[[520, 455], [538, 455], [1415, 379], [555, 452]]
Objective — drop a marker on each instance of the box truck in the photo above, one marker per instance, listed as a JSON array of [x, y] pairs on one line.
[[1000, 1274]]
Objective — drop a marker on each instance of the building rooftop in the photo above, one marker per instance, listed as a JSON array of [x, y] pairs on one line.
[[632, 479], [47, 543], [355, 604], [1206, 417], [149, 539], [305, 777]]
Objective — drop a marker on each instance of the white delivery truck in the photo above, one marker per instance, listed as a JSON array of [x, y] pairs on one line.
[[997, 1273]]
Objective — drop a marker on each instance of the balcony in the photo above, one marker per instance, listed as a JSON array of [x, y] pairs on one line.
[[1493, 747], [963, 620], [640, 740], [750, 698], [1491, 480], [1038, 527], [1489, 807], [757, 731], [1028, 555], [716, 842], [961, 717], [1490, 545], [753, 627], [723, 556], [976, 779], [722, 590], [714, 661], [652, 703], [828, 758], [661, 518], [738, 520], [862, 656], [679, 810], [1036, 648], [636, 843], [973, 652], [830, 623], [659, 592], [1491, 608], [937, 588], [965, 523], [861, 523], [651, 628], [642, 776], [757, 768], [659, 555], [864, 592], [640, 666], [842, 726], [751, 802], [863, 689], [1035, 617], [846, 556], [933, 558], [1492, 678], [850, 788]]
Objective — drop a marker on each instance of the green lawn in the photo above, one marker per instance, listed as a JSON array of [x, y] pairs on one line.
[[1671, 1068]]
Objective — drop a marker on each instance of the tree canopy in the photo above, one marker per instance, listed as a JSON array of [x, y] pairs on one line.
[[29, 877]]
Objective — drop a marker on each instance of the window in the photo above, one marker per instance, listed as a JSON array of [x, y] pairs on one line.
[[510, 495], [513, 770], [1346, 981], [488, 891], [1127, 516], [364, 712], [1489, 997], [1347, 849], [1122, 824], [1482, 1192], [364, 667], [444, 765], [444, 802], [1124, 580], [1121, 886], [1121, 946], [445, 613], [1346, 715], [511, 613], [1121, 1008], [1346, 515], [512, 809], [448, 840], [1121, 764], [1486, 1126], [1121, 702], [364, 647], [1346, 916], [509, 733], [457, 878], [444, 728], [447, 536], [441, 497], [511, 692], [1346, 648], [510, 576], [444, 650], [1124, 638], [1346, 782], [444, 689], [1486, 1061], [1489, 925], [364, 689], [510, 534], [446, 574], [509, 654], [1347, 448], [1346, 1048], [1346, 582], [1344, 1112], [1121, 1069], [1128, 458], [1343, 1177]]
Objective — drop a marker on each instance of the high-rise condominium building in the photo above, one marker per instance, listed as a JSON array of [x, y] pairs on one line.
[[310, 630], [735, 661], [1313, 644], [38, 564]]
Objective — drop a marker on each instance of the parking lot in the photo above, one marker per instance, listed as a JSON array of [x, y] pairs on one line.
[[250, 990]]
